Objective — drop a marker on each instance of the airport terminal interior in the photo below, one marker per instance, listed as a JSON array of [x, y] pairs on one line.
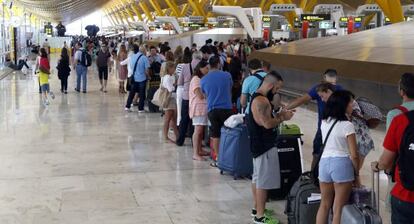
[[154, 111]]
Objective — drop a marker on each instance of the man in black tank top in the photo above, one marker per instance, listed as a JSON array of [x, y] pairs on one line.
[[262, 127]]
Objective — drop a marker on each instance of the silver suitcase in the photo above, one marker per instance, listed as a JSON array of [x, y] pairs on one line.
[[362, 213]]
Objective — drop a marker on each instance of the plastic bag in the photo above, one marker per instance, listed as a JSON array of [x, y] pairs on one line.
[[234, 120]]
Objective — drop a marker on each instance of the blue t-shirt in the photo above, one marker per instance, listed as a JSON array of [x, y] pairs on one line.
[[250, 86], [143, 65], [321, 105], [216, 85]]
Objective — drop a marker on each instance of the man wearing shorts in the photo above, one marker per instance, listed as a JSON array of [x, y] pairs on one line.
[[102, 62], [262, 126], [217, 85]]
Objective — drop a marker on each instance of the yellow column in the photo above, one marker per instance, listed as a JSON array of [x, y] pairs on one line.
[[396, 11], [239, 2], [226, 3], [384, 6], [290, 16], [137, 12], [109, 17], [173, 6], [309, 5], [119, 15], [157, 7], [392, 9], [125, 4], [115, 16], [123, 14], [146, 10], [184, 10], [193, 5], [369, 17]]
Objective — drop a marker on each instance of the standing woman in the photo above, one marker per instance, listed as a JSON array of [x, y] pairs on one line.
[[169, 57], [198, 110], [183, 83], [63, 68], [168, 81], [122, 69], [338, 167], [365, 142]]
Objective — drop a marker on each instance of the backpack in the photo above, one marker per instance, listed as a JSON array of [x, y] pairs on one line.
[[406, 154], [156, 67], [371, 113], [225, 63], [86, 59]]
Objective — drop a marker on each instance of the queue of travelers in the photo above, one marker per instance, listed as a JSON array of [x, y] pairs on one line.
[[207, 85]]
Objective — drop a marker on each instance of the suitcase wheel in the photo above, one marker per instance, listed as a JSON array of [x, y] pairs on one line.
[[221, 172]]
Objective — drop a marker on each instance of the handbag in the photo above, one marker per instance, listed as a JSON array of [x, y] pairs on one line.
[[131, 79], [161, 97], [315, 168]]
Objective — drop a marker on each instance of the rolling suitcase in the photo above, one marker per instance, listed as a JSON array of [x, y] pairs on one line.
[[298, 210], [289, 145], [235, 156], [359, 213]]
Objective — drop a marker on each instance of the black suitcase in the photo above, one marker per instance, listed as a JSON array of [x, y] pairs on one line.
[[289, 148], [298, 210], [150, 95]]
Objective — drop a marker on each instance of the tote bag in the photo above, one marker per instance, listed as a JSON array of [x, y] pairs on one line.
[[161, 97]]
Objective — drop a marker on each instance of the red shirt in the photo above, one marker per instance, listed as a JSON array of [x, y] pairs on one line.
[[392, 143], [45, 63]]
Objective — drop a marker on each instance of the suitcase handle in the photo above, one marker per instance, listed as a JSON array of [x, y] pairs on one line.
[[375, 193]]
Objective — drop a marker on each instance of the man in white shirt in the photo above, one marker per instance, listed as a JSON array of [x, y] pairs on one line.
[[81, 69]]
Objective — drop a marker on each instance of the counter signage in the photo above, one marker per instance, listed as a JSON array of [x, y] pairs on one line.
[[266, 19], [222, 18], [315, 17], [343, 22], [387, 21], [358, 19], [358, 22], [298, 23], [194, 19]]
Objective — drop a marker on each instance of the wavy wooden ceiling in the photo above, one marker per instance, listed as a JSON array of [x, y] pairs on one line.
[[70, 10]]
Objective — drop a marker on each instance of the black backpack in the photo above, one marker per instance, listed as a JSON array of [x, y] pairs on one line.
[[156, 67], [406, 155], [86, 59]]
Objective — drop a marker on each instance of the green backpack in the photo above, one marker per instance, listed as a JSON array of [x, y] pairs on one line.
[[289, 129]]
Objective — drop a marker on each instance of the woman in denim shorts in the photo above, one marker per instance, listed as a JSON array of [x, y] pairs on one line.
[[338, 168]]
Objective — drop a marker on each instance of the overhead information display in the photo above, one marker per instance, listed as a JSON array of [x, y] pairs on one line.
[[315, 17]]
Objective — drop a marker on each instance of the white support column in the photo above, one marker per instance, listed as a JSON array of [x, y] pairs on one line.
[[240, 14], [256, 13]]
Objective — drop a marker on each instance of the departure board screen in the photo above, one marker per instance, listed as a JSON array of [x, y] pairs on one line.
[[315, 17]]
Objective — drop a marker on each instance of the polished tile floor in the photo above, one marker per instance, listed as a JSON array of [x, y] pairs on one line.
[[83, 160]]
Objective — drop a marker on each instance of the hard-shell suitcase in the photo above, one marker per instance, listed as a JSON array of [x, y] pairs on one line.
[[235, 156], [359, 213], [298, 210], [289, 145]]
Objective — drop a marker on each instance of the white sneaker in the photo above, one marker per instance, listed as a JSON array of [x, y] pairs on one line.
[[141, 111], [127, 109]]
